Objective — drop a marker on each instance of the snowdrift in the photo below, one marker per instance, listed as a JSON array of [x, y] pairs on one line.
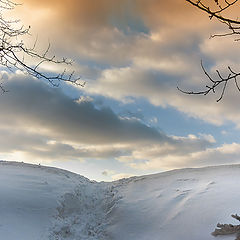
[[38, 202]]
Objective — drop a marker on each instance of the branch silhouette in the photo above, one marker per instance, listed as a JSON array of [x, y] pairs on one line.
[[13, 52], [217, 9]]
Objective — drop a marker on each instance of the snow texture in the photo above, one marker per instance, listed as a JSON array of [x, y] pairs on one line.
[[38, 202]]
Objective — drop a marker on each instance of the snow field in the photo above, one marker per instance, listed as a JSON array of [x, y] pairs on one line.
[[41, 203]]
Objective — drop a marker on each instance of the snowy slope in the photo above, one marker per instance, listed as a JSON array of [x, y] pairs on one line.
[[38, 202], [181, 204]]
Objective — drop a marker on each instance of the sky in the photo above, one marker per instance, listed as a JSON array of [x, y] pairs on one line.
[[129, 119]]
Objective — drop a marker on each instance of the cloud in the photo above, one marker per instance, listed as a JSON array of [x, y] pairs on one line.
[[145, 160], [140, 64], [52, 112], [121, 175], [97, 31], [129, 50], [147, 64], [42, 122], [172, 151], [160, 89], [120, 83]]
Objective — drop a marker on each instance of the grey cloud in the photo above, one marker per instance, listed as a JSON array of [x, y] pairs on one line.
[[13, 139], [38, 106], [43, 147], [61, 151], [44, 123]]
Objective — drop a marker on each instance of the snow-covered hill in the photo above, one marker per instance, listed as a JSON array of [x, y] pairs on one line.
[[44, 203]]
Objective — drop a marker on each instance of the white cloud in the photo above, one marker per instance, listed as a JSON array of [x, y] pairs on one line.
[[120, 176], [225, 154]]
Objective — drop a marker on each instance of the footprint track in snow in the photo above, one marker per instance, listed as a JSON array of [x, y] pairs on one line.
[[82, 214]]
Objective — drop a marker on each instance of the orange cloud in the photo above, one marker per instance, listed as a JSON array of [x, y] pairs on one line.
[[89, 30], [81, 12], [78, 14]]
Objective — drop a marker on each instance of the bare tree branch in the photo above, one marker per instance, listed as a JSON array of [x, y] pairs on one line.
[[216, 13], [214, 83], [217, 9], [13, 52]]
